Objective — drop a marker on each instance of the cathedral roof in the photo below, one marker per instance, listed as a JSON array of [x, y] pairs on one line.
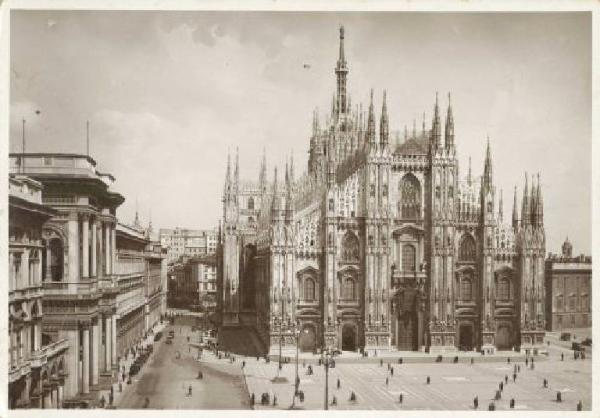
[[414, 146]]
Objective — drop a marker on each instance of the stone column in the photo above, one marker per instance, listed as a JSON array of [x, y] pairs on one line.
[[48, 262], [23, 281], [113, 248], [95, 349], [101, 257], [47, 399], [53, 397], [107, 250], [85, 370], [60, 396], [113, 343], [72, 361], [107, 342], [36, 335], [94, 271], [85, 245], [73, 247]]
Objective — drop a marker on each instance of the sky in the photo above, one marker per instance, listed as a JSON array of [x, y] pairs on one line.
[[168, 94]]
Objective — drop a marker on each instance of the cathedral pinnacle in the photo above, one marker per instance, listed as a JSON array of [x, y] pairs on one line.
[[436, 131], [501, 207], [384, 131], [449, 124], [371, 123], [469, 177], [341, 71], [525, 208], [515, 214], [540, 203], [487, 171]]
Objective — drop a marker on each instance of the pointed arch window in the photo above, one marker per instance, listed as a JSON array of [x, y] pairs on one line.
[[466, 251], [503, 291], [349, 289], [309, 289], [350, 248], [251, 203], [409, 261], [410, 197], [466, 289]]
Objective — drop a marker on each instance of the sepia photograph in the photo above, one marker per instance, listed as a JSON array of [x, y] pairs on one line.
[[298, 209]]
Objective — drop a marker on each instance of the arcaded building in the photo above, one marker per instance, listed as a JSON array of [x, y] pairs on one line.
[[94, 275], [568, 290], [381, 244]]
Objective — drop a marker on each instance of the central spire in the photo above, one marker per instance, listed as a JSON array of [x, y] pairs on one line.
[[341, 70]]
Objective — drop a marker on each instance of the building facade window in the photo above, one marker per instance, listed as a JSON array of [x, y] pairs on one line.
[[466, 289], [251, 203], [309, 289], [350, 248], [503, 292], [349, 289], [408, 258], [410, 197], [466, 251]]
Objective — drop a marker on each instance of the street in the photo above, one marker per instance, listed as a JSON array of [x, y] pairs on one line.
[[164, 380]]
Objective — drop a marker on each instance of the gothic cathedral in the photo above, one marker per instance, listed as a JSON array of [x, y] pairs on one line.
[[380, 244]]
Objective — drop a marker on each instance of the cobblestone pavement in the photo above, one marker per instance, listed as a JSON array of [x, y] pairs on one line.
[[452, 387]]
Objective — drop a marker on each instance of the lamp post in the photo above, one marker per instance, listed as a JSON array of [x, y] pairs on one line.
[[328, 358], [297, 380]]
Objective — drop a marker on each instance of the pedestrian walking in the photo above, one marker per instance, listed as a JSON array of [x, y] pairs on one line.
[[102, 401], [498, 395], [579, 406], [388, 366], [339, 384], [381, 363], [334, 401], [558, 396], [387, 381], [508, 360], [274, 400], [512, 403], [190, 390], [501, 386], [400, 360], [146, 402], [428, 380], [492, 406], [475, 402], [527, 361], [505, 379], [562, 356], [353, 396], [545, 383], [392, 371], [110, 398], [401, 398], [243, 364]]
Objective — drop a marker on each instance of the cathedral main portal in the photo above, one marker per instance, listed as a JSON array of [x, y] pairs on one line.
[[407, 318]]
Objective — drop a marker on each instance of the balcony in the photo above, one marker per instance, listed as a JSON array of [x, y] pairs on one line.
[[25, 293], [83, 288], [41, 356]]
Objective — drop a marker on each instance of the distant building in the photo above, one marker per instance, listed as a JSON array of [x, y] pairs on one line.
[[193, 283], [190, 242], [568, 290], [37, 368]]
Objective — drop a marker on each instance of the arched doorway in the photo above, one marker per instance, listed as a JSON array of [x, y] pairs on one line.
[[307, 339], [349, 337], [503, 337], [465, 336]]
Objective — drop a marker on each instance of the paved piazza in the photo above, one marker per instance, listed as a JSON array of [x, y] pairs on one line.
[[452, 387], [165, 379]]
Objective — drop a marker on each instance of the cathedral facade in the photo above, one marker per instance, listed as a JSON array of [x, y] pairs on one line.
[[380, 244]]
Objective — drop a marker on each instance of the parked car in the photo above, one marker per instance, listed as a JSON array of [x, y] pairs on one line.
[[587, 341], [565, 336]]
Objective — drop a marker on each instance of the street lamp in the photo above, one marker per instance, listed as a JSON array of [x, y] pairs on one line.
[[328, 362], [297, 380]]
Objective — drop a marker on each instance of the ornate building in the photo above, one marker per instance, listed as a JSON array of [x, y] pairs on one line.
[[102, 284], [380, 245]]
